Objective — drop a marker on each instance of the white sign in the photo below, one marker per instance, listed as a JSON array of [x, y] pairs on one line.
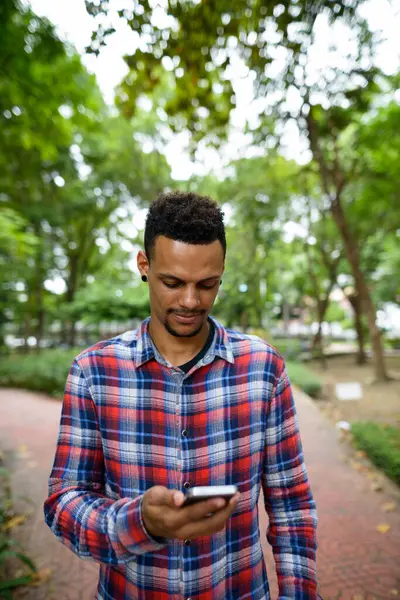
[[348, 391]]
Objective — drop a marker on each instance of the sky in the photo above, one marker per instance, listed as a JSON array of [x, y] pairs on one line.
[[75, 25]]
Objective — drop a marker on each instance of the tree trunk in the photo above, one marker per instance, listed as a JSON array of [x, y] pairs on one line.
[[39, 330], [334, 178], [366, 301], [358, 326], [317, 343], [37, 286], [286, 316], [72, 286]]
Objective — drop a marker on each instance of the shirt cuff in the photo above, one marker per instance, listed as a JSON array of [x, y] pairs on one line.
[[131, 530]]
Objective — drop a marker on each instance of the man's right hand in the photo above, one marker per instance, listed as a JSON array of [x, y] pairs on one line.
[[163, 514]]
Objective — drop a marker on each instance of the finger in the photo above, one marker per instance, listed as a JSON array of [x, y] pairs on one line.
[[234, 500], [225, 513], [178, 498], [216, 522], [187, 516], [202, 509], [162, 496], [210, 524]]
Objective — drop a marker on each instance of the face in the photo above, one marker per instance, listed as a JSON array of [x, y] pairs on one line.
[[183, 282]]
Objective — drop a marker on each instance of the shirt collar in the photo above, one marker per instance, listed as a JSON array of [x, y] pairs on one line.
[[145, 349]]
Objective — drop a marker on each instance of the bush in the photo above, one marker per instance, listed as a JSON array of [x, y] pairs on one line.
[[382, 445], [44, 371], [304, 378], [290, 348], [47, 372], [261, 333], [393, 343]]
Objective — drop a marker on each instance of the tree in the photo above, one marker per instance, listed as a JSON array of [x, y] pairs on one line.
[[68, 165], [198, 49], [122, 177], [113, 294], [197, 43], [42, 85], [256, 190], [16, 245]]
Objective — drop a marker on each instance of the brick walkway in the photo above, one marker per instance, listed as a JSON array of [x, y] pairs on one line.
[[355, 561]]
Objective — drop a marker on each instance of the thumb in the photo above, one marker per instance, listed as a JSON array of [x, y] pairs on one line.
[[177, 498], [160, 495]]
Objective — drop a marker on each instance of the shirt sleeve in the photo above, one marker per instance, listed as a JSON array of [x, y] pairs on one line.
[[77, 509], [288, 499]]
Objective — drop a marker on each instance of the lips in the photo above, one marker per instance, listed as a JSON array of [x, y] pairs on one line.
[[186, 319]]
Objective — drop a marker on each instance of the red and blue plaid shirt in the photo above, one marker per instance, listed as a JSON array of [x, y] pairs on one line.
[[130, 420]]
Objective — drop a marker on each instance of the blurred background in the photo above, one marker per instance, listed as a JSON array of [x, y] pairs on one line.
[[287, 113]]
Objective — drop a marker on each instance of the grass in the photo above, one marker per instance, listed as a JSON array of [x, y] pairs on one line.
[[305, 379], [381, 443]]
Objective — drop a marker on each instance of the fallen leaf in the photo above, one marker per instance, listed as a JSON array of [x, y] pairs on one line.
[[15, 521], [377, 487], [383, 528], [372, 475], [41, 577], [361, 454], [394, 592], [389, 506], [357, 597], [356, 465], [23, 451]]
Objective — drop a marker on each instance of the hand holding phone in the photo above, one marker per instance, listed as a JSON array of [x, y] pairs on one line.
[[165, 516]]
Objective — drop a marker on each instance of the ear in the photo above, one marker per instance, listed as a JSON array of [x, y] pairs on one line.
[[142, 263]]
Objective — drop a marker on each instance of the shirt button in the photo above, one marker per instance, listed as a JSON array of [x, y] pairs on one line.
[[186, 484], [184, 432], [187, 542]]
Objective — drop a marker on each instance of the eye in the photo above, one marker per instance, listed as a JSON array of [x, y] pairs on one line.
[[207, 287], [170, 285]]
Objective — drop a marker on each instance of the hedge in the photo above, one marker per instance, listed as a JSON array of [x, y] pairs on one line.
[[381, 443], [40, 372], [304, 378], [47, 372]]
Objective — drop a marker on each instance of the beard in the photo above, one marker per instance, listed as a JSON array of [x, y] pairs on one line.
[[176, 333]]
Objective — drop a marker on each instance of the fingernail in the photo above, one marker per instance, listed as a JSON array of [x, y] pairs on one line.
[[219, 503], [177, 498]]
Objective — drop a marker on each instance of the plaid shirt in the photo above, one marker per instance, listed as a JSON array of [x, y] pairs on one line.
[[130, 420]]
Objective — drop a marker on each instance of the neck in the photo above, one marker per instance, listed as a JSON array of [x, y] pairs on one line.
[[177, 350]]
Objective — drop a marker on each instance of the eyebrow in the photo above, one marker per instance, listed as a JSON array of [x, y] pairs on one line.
[[169, 276]]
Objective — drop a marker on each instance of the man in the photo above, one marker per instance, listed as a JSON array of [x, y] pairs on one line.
[[182, 402]]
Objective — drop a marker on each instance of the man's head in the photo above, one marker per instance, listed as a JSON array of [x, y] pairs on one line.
[[184, 256]]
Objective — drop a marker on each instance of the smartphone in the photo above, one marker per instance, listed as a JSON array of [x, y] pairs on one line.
[[200, 493]]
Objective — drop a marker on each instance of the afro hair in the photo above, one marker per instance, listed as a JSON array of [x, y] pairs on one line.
[[185, 217]]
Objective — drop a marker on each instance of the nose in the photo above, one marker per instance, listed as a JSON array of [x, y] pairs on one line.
[[189, 298]]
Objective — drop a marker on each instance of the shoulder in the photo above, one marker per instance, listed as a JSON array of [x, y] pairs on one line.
[[121, 347], [244, 344]]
